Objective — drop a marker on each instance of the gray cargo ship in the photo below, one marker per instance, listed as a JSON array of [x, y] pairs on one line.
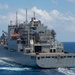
[[32, 44]]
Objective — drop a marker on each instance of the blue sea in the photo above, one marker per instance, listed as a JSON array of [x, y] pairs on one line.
[[12, 69]]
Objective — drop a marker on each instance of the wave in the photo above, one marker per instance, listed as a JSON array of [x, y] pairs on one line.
[[6, 63], [15, 68], [12, 67], [67, 71]]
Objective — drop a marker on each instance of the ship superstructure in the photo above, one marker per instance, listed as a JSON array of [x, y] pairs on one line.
[[32, 44]]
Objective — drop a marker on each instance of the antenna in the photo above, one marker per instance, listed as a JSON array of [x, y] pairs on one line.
[[11, 22], [16, 18], [26, 15], [34, 15]]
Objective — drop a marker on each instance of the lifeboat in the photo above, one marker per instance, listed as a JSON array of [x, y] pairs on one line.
[[15, 35]]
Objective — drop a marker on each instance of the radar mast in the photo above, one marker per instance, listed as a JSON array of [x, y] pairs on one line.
[[16, 18], [26, 15]]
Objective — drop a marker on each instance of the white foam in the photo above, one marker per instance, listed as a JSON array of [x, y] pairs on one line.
[[5, 63], [2, 61], [66, 71], [14, 68]]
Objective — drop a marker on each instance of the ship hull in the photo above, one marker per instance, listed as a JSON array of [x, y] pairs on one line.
[[17, 58], [37, 60], [56, 60]]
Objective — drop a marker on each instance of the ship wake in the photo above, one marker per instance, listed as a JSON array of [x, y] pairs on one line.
[[12, 67], [67, 71]]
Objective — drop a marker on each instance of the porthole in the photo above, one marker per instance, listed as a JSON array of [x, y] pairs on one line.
[[38, 58], [52, 56], [48, 57], [42, 57]]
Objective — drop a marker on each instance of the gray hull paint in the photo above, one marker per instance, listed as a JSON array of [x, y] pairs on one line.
[[56, 62], [26, 60], [17, 57]]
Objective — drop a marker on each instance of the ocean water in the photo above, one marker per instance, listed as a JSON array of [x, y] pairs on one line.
[[12, 69]]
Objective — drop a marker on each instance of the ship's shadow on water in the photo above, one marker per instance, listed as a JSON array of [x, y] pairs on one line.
[[12, 69]]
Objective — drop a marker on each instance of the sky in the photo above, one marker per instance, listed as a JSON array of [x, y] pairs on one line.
[[55, 14]]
